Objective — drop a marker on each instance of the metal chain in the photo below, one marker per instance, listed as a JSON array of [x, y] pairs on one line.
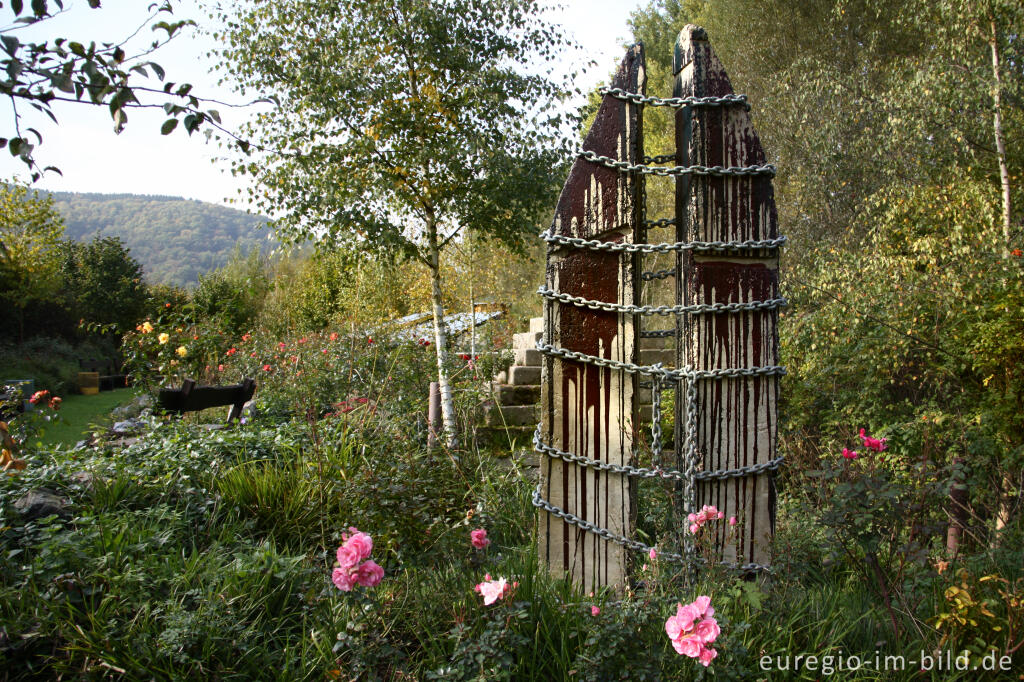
[[658, 334], [661, 158], [696, 309], [605, 534], [675, 102], [730, 171], [656, 417], [597, 245], [681, 374], [690, 458], [662, 222], [658, 274], [650, 472]]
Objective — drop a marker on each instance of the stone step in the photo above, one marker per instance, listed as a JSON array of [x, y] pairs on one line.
[[507, 439], [524, 376], [513, 415], [520, 395], [525, 340], [650, 356], [536, 325], [528, 357]]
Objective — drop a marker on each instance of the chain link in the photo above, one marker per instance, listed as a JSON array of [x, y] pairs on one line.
[[651, 472], [675, 102], [661, 222], [730, 171], [696, 309], [658, 334], [539, 502], [681, 374], [597, 245], [658, 274], [661, 158], [656, 417]]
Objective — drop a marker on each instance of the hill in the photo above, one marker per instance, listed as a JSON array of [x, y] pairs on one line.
[[175, 239]]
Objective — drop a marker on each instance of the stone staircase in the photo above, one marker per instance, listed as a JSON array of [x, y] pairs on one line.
[[517, 390], [516, 411]]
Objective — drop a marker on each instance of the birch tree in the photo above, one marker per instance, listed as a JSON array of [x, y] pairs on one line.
[[401, 125]]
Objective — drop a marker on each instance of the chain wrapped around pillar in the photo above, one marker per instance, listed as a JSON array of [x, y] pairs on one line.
[[588, 409], [735, 426]]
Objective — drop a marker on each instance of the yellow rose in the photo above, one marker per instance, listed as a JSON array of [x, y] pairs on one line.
[[163, 338], [182, 351], [146, 327]]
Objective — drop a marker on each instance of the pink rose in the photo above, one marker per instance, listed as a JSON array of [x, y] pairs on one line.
[[595, 610], [369, 574], [492, 590], [702, 605], [348, 556], [361, 542], [653, 554], [732, 521], [690, 645], [343, 579], [707, 655], [707, 630], [849, 454], [694, 528], [478, 538]]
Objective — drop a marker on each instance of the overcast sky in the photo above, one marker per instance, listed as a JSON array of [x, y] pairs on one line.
[[141, 161]]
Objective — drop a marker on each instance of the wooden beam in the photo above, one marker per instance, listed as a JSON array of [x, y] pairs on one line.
[[737, 417], [588, 410]]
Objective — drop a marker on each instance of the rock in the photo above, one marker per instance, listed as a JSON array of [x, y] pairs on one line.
[[128, 426], [37, 504], [85, 479]]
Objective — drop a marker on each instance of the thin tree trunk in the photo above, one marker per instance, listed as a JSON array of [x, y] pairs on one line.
[[440, 336], [1006, 498], [997, 125]]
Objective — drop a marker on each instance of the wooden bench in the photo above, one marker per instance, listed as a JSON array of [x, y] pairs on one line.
[[192, 398]]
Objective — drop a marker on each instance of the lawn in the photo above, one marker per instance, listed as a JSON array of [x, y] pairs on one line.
[[78, 412]]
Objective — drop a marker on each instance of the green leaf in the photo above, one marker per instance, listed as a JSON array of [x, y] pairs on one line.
[[168, 127]]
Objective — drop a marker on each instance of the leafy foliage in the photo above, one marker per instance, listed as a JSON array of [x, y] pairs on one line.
[[41, 73]]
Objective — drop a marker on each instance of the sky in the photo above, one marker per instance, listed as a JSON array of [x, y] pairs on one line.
[[93, 158]]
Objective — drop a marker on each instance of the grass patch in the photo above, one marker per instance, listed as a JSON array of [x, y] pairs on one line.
[[78, 412]]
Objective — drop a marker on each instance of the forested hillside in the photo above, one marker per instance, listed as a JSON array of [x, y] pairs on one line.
[[175, 239]]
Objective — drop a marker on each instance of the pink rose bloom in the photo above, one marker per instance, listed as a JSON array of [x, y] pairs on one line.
[[343, 579], [361, 542], [689, 645], [478, 538], [691, 517], [686, 615], [492, 590], [732, 521], [595, 610], [721, 515], [653, 553], [694, 528], [702, 605], [850, 454], [707, 630], [348, 556], [707, 655], [369, 574]]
